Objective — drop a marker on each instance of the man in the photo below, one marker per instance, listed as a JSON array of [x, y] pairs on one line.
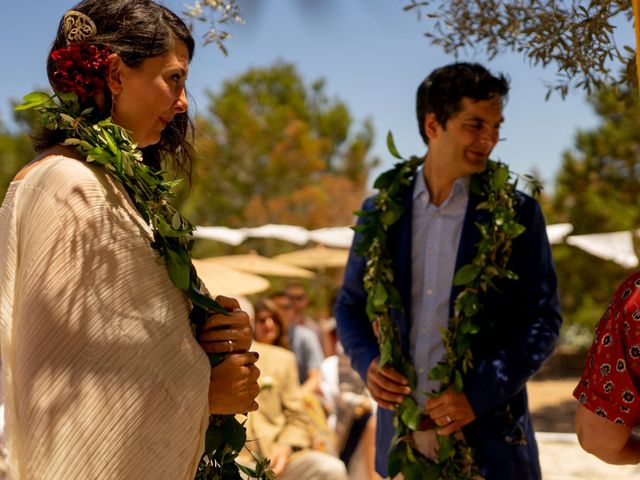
[[300, 301], [280, 429], [297, 293], [459, 110], [304, 344]]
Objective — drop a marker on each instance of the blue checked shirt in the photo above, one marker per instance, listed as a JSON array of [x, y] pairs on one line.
[[435, 236]]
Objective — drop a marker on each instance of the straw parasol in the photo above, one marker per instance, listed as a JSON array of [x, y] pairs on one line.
[[319, 257], [221, 280], [254, 263]]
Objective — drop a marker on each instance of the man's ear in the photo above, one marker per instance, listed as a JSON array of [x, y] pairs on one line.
[[431, 125], [114, 74]]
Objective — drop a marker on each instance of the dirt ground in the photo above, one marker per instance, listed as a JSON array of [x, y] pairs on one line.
[[561, 458], [552, 404]]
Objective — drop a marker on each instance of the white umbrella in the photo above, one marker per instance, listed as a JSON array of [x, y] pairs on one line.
[[254, 263], [319, 257], [221, 280]]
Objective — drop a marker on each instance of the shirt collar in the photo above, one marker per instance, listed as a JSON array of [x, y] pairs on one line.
[[460, 188]]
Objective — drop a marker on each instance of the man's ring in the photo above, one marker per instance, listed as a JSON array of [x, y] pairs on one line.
[[230, 343], [448, 419]]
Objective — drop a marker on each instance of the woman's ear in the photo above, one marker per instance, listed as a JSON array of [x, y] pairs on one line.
[[114, 74]]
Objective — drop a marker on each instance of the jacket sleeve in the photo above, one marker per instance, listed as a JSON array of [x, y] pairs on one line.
[[295, 432], [354, 328], [533, 320]]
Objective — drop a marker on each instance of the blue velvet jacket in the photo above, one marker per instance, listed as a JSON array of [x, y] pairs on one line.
[[520, 326]]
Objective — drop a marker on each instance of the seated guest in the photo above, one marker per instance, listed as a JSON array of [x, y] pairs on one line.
[[300, 340], [280, 429], [271, 328], [608, 391], [351, 409]]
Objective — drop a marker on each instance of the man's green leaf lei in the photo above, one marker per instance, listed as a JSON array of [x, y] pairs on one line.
[[106, 144], [455, 457]]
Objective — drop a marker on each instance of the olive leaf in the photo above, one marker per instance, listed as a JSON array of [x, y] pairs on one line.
[[392, 146], [466, 274], [410, 413]]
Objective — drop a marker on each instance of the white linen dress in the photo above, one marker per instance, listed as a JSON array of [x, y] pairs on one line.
[[102, 376]]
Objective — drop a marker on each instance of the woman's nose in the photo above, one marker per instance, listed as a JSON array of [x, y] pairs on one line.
[[182, 104]]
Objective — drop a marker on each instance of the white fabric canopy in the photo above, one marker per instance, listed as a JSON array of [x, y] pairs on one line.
[[336, 237], [226, 235], [290, 233], [558, 232], [615, 246]]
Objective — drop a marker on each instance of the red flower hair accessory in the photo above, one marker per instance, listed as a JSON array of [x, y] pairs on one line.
[[80, 68]]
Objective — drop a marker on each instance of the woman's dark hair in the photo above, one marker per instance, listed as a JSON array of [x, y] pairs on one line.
[[442, 91], [266, 305], [135, 30]]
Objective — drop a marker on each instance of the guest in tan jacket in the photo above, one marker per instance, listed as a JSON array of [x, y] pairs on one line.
[[279, 429]]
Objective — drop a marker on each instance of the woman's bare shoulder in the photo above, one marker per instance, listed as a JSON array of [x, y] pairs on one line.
[[45, 158]]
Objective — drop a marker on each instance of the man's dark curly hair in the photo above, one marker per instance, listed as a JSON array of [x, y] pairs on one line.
[[442, 91]]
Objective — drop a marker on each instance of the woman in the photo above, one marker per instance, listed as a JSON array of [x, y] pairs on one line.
[[290, 427], [609, 390], [102, 375], [269, 325]]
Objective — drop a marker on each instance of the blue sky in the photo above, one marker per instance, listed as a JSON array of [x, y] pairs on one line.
[[371, 53]]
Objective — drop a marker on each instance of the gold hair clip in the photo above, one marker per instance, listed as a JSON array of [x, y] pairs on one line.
[[78, 27]]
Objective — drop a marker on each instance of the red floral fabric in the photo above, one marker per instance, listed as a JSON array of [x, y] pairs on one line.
[[611, 379]]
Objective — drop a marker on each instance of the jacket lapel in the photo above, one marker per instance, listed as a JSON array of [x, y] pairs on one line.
[[401, 251]]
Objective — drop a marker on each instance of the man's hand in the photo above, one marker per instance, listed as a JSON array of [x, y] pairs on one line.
[[451, 411], [279, 457], [387, 387]]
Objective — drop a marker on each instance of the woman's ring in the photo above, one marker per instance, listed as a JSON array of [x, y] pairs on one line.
[[230, 343], [448, 419]]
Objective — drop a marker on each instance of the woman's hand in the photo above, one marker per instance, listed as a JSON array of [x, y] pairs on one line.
[[233, 385], [227, 333]]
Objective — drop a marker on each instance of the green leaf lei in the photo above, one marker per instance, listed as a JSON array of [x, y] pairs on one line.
[[106, 144], [455, 457]]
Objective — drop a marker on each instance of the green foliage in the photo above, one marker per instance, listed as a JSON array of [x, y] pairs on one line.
[[275, 150], [15, 152], [216, 14], [597, 190], [575, 37]]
